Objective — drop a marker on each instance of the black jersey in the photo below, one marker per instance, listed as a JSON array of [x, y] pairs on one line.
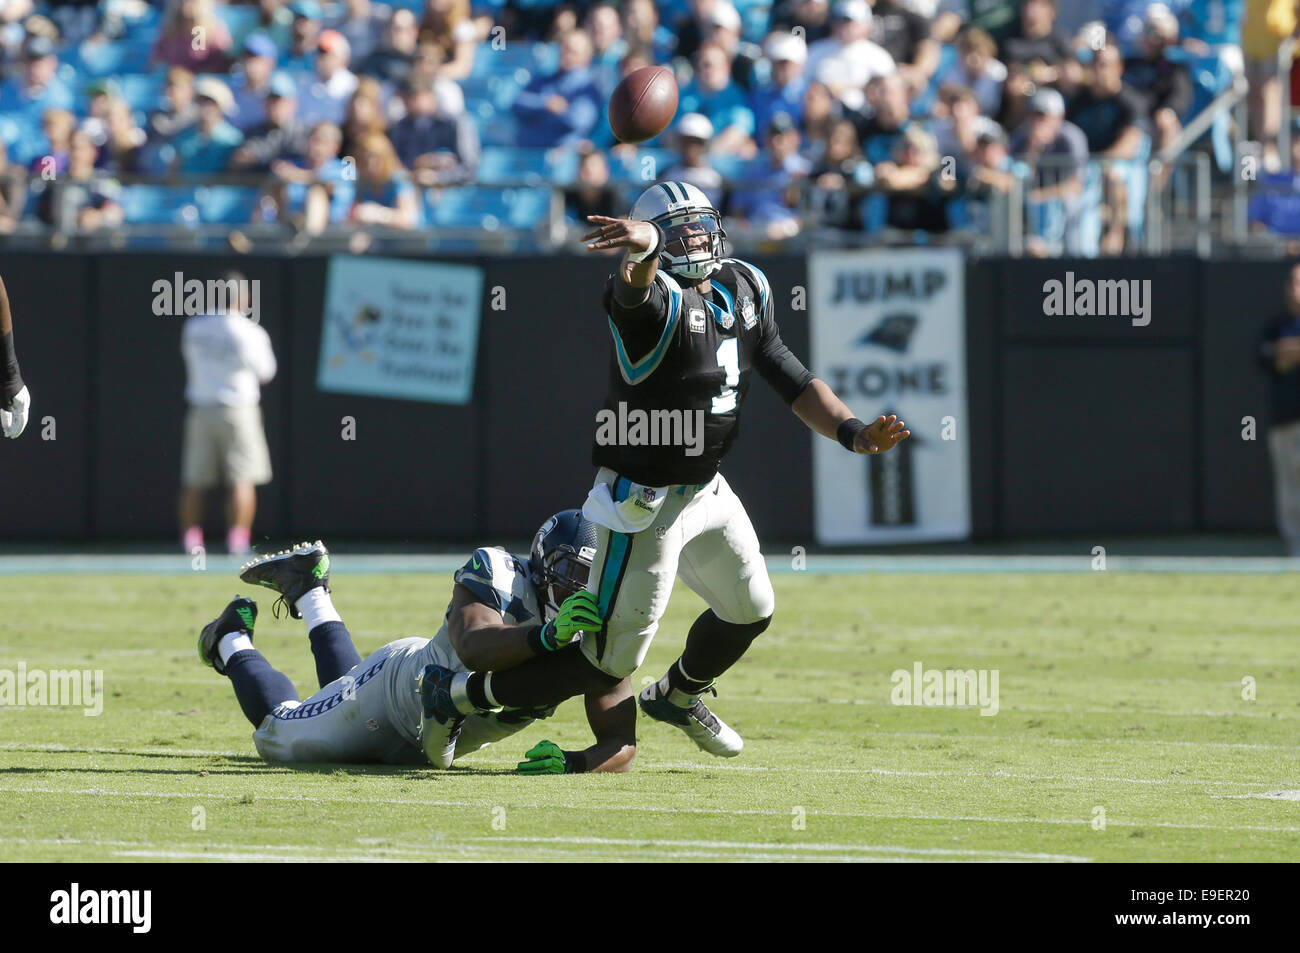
[[679, 372]]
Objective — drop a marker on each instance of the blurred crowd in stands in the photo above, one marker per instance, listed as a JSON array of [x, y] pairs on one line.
[[914, 118]]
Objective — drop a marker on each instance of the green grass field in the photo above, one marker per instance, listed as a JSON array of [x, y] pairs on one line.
[[1117, 691]]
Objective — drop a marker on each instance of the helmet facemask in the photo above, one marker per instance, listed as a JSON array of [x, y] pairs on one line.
[[693, 243], [563, 573]]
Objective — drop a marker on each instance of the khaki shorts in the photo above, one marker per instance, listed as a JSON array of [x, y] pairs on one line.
[[225, 445]]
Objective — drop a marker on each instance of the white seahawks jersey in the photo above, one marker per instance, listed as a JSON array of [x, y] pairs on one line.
[[373, 712], [497, 579]]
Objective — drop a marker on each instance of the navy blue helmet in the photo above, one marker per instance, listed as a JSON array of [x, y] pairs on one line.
[[560, 560]]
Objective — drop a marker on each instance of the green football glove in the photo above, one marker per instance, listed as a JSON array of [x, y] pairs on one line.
[[580, 612], [545, 757]]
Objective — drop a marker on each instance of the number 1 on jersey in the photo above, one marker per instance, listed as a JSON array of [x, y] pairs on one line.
[[729, 358]]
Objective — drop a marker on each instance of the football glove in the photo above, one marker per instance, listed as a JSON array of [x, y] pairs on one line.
[[580, 612], [545, 757], [13, 419]]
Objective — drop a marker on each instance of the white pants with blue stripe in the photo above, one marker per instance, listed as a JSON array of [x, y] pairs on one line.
[[702, 535]]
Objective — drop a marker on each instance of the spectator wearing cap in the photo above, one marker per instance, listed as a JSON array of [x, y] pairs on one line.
[[449, 25], [714, 93], [693, 133], [99, 94], [391, 62], [323, 94], [280, 134], [1164, 86], [783, 93], [563, 107], [208, 145], [35, 87], [766, 198], [1110, 113], [315, 189], [905, 35], [812, 18], [250, 81], [363, 24], [847, 60], [384, 194], [194, 37], [438, 149], [978, 68], [179, 109], [1056, 183], [304, 34], [839, 174], [722, 25]]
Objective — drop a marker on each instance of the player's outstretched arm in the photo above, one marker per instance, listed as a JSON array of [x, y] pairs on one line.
[[486, 644], [612, 716], [14, 399], [643, 241], [819, 408]]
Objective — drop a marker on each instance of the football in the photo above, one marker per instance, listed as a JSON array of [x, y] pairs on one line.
[[643, 104]]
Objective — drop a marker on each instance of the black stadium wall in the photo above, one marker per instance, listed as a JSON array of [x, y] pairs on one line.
[[1077, 424]]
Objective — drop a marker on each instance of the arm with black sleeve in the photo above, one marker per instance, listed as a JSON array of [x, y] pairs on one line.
[[14, 398]]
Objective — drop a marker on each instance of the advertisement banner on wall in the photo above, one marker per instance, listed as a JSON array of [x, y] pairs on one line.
[[402, 329], [889, 336]]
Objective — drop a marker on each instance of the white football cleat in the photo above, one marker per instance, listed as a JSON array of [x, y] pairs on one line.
[[702, 726]]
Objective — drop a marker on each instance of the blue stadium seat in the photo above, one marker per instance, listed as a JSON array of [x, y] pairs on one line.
[[754, 17], [238, 20], [226, 204], [23, 138], [502, 165], [634, 170], [489, 208], [160, 205], [111, 57]]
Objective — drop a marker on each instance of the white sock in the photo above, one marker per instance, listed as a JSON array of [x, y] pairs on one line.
[[487, 691], [231, 643], [317, 607]]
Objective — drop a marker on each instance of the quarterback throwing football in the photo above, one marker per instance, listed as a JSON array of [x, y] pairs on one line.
[[690, 327]]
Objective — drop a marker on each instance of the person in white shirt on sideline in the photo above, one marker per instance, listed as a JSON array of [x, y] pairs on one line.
[[228, 357]]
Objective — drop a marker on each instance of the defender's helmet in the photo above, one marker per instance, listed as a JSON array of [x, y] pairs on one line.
[[693, 234], [561, 558]]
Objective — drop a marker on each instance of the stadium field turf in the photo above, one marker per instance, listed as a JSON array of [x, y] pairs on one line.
[[1120, 700]]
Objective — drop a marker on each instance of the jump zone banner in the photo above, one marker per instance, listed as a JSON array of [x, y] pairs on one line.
[[889, 336]]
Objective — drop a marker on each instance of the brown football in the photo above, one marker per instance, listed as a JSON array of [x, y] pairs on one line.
[[643, 104]]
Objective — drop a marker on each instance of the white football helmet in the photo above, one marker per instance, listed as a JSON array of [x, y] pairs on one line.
[[683, 212]]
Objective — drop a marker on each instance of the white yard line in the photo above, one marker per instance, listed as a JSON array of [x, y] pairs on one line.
[[638, 808]]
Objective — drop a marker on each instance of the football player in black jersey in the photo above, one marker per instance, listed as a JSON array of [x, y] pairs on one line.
[[689, 328]]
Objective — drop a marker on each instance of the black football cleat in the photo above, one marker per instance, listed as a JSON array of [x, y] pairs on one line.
[[291, 572], [239, 616]]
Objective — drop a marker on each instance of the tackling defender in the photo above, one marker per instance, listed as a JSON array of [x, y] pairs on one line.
[[503, 610], [689, 328], [14, 399]]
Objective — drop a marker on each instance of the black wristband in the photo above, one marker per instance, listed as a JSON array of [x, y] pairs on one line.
[[575, 762], [536, 644], [847, 431], [10, 378]]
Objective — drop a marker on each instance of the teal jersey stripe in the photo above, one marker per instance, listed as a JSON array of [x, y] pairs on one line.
[[635, 373], [619, 543]]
